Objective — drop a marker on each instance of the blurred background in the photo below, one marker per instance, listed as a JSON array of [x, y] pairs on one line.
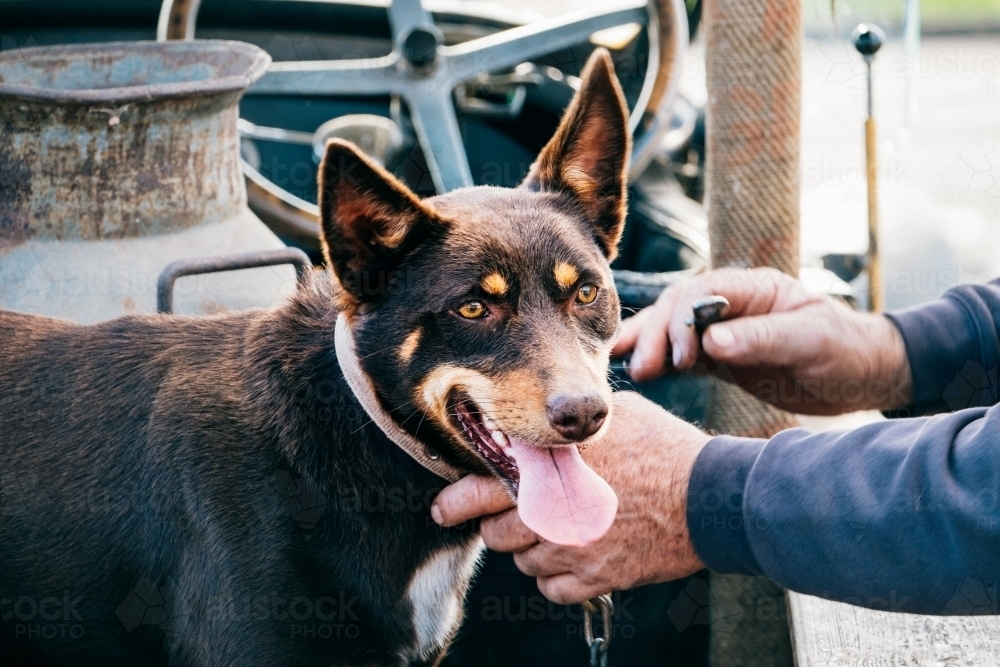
[[937, 103]]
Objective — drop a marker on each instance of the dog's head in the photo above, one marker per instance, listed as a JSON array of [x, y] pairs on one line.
[[485, 316]]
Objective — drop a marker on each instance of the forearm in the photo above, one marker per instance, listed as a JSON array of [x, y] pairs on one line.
[[898, 514]]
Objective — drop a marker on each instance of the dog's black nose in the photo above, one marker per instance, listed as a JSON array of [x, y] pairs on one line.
[[577, 417]]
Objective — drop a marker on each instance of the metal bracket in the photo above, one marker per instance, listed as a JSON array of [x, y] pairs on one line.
[[248, 260]]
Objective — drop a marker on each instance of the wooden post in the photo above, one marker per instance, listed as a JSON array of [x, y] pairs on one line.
[[754, 71]]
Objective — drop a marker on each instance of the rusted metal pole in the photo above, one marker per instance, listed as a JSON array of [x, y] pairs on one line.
[[753, 61]]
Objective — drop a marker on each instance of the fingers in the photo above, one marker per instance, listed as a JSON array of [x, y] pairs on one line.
[[739, 289], [470, 497], [749, 292], [629, 333], [779, 340], [545, 560], [683, 337], [505, 532], [649, 354], [568, 589]]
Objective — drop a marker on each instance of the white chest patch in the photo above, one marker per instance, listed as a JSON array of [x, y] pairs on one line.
[[436, 593]]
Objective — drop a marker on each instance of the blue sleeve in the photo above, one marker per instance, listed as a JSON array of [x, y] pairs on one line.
[[953, 346], [902, 515]]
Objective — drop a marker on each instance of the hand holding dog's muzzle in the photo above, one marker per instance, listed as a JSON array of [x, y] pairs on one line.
[[646, 456]]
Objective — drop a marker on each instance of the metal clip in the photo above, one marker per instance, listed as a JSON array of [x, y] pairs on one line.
[[598, 645]]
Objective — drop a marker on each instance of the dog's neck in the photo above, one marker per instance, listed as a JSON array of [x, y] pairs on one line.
[[364, 392], [300, 395]]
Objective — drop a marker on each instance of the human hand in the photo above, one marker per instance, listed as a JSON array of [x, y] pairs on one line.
[[805, 353], [646, 456]]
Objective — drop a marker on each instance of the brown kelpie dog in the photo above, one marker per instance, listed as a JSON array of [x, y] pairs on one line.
[[184, 491]]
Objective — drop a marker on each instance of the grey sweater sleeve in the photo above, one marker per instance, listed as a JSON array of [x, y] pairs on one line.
[[901, 515]]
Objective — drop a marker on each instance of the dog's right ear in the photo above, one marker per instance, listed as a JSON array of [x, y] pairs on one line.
[[370, 222]]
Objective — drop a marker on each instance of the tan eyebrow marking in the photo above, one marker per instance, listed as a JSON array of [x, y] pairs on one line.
[[495, 284], [409, 345], [566, 275]]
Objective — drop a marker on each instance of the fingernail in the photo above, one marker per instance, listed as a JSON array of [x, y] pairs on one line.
[[721, 336], [677, 356], [436, 515]]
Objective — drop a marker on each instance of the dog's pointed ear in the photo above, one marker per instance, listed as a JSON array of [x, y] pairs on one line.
[[370, 222], [588, 156]]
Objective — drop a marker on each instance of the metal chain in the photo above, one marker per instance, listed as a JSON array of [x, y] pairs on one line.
[[598, 645]]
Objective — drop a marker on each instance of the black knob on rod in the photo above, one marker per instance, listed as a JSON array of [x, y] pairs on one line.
[[868, 39]]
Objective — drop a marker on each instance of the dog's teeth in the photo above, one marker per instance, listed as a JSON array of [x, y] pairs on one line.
[[499, 438], [490, 424]]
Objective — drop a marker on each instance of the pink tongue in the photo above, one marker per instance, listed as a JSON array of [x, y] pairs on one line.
[[559, 497]]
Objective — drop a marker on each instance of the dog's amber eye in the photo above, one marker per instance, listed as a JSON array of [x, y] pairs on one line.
[[472, 310], [586, 294]]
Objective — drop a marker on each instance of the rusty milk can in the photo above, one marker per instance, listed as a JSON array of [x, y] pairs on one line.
[[116, 159]]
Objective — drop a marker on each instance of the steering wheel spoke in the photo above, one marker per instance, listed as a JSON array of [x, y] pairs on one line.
[[404, 16], [436, 125], [514, 46], [369, 76]]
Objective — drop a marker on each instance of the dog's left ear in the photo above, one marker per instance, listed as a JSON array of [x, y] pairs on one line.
[[588, 157], [370, 222]]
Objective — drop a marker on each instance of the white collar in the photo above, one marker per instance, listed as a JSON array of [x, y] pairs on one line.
[[364, 391]]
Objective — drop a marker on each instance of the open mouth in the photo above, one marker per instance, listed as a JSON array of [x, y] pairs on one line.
[[558, 496], [490, 442]]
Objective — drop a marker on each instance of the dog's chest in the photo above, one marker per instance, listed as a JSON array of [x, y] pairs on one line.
[[436, 594]]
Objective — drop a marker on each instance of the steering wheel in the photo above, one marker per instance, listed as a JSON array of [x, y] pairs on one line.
[[432, 77]]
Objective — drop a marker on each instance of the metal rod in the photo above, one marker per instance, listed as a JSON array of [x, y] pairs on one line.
[[868, 40], [249, 260], [876, 299]]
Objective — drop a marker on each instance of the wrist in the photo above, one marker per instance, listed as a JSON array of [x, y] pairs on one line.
[[874, 370], [894, 366], [683, 559]]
